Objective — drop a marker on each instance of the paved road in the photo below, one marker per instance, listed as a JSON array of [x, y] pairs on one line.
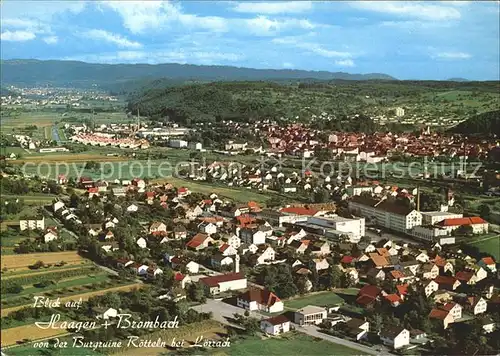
[[313, 331], [223, 312]]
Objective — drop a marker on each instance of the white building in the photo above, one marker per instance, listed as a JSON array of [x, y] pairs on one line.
[[355, 228], [224, 282], [37, 223], [310, 315], [433, 217], [389, 214], [276, 325], [399, 112], [395, 337], [178, 143], [260, 299]]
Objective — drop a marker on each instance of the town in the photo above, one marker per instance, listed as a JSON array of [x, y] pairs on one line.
[[249, 178]]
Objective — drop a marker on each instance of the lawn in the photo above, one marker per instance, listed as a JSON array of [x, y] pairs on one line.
[[68, 283], [240, 195], [29, 350], [318, 299], [490, 245], [292, 344]]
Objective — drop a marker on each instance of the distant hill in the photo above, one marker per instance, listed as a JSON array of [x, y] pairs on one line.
[[61, 73], [484, 124], [458, 80]]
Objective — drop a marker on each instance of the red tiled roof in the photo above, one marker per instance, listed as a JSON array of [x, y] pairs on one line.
[[438, 314], [223, 247], [179, 276], [261, 296], [215, 280], [462, 221], [402, 289], [299, 211], [445, 280], [464, 275], [197, 240], [369, 290], [347, 259], [393, 298], [488, 260], [448, 306]]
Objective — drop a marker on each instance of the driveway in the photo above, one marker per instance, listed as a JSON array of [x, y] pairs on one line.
[[223, 312], [313, 331]]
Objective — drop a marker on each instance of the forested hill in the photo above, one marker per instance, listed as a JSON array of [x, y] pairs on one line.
[[55, 72], [486, 123]]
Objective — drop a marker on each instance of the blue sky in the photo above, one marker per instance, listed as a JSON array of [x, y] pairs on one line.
[[409, 40]]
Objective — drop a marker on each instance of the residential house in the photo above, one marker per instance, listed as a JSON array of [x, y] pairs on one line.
[[447, 282], [252, 236], [51, 234], [207, 228], [375, 274], [429, 271], [445, 317], [430, 287], [267, 254], [234, 241], [488, 263], [260, 299], [275, 325], [200, 241], [367, 295], [218, 261], [158, 228], [227, 250], [358, 328], [395, 337], [180, 232], [132, 208], [35, 223], [320, 264], [477, 304], [141, 242]]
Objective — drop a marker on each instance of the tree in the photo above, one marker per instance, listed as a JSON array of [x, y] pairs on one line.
[[334, 277], [14, 289], [321, 196], [485, 211]]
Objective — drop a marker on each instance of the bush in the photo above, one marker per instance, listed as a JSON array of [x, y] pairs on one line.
[[14, 289]]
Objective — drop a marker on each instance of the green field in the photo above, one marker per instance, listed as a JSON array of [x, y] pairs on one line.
[[291, 344], [73, 282], [319, 299], [490, 245], [29, 350]]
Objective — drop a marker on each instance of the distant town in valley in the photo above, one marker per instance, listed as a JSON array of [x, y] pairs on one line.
[[250, 178]]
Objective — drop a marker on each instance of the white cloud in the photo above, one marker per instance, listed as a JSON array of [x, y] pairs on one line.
[[116, 39], [140, 17], [312, 47], [453, 55], [51, 40], [345, 63], [419, 10], [263, 26], [17, 36], [273, 8], [287, 65]]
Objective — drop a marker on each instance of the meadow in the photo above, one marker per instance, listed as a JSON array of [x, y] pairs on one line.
[[288, 344]]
